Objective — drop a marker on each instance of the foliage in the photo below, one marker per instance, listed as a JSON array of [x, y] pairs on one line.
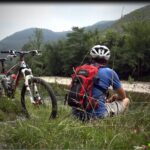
[[130, 50], [36, 42], [138, 46]]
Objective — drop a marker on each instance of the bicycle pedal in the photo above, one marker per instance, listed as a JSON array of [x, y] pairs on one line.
[[37, 102]]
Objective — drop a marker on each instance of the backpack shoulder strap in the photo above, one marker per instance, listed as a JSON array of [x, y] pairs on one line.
[[97, 86]]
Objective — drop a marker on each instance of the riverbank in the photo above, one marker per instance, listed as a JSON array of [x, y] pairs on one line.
[[141, 87]]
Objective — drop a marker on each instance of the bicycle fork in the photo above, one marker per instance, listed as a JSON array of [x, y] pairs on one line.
[[34, 97]]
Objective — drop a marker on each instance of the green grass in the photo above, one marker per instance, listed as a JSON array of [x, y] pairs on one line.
[[65, 132], [9, 109]]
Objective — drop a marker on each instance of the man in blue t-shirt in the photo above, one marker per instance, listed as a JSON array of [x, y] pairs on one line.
[[105, 78]]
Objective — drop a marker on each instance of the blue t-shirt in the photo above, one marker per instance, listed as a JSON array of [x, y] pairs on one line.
[[106, 77]]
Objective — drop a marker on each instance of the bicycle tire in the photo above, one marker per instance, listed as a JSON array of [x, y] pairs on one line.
[[51, 95]]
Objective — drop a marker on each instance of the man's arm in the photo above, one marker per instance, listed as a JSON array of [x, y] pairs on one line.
[[120, 95]]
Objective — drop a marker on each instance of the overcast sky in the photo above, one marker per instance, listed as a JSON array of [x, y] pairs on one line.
[[59, 16]]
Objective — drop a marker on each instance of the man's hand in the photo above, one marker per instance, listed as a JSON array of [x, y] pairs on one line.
[[112, 98]]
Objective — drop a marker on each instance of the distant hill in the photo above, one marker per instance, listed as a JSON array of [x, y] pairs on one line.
[[102, 25], [142, 13], [139, 14], [18, 39]]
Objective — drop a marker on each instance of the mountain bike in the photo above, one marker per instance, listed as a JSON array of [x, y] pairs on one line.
[[36, 94]]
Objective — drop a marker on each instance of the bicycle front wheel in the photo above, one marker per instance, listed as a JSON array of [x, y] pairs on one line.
[[47, 105]]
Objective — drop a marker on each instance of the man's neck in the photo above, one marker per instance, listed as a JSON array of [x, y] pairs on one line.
[[100, 64]]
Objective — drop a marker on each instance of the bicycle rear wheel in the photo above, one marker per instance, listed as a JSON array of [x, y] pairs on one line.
[[47, 106]]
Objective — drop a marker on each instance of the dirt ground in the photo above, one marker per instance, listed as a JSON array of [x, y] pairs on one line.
[[142, 87]]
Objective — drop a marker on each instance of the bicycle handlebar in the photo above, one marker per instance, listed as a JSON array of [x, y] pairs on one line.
[[14, 52], [6, 52]]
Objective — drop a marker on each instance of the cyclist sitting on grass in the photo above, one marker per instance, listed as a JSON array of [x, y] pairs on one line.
[[105, 78]]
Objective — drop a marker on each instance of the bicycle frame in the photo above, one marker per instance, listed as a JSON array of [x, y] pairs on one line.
[[24, 72]]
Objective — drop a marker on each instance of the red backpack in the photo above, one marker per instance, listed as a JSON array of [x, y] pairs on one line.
[[80, 90]]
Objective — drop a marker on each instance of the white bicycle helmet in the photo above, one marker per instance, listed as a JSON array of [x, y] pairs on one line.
[[100, 51]]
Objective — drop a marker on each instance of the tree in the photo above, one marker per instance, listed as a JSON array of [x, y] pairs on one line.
[[138, 46], [53, 59], [36, 42], [75, 49]]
